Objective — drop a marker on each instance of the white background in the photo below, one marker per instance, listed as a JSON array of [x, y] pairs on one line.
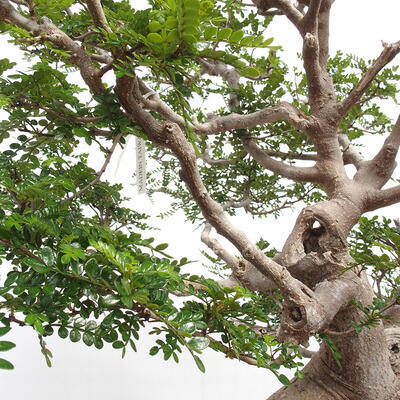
[[79, 372]]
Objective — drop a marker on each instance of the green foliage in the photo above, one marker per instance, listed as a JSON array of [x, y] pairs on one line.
[[80, 262], [5, 345], [376, 247], [331, 344]]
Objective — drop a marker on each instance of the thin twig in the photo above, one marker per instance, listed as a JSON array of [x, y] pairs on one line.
[[99, 174]]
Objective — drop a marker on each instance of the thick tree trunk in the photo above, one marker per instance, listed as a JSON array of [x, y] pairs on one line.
[[365, 372]]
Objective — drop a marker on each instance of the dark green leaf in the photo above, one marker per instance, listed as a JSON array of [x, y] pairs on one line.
[[47, 256], [5, 346], [63, 332], [75, 335], [36, 265], [199, 363], [4, 364], [4, 330], [283, 379]]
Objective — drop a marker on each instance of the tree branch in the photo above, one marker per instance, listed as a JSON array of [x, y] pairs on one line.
[[388, 54], [99, 173], [302, 174], [350, 153], [283, 111], [378, 171], [96, 11], [382, 198], [217, 68], [49, 31], [71, 118], [151, 101], [323, 31], [285, 6]]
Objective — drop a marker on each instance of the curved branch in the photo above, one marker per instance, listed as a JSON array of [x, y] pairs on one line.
[[208, 160], [350, 153], [217, 68], [378, 171], [151, 101], [99, 174], [382, 198], [283, 111], [215, 246], [298, 174], [388, 54]]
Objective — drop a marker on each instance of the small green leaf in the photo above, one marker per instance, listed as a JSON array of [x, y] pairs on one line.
[[110, 300], [247, 40], [154, 350], [127, 301], [171, 22], [30, 319], [38, 327], [63, 332], [91, 267], [236, 36], [4, 364], [75, 335], [154, 38], [224, 33], [88, 338], [189, 38], [199, 363], [251, 72], [118, 344], [154, 26], [210, 32], [198, 343], [5, 346], [188, 327], [161, 246], [172, 36], [47, 256], [257, 41], [36, 265], [98, 343], [4, 330], [299, 374], [268, 42], [283, 379], [172, 4]]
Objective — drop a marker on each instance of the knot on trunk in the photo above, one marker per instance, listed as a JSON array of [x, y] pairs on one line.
[[393, 344]]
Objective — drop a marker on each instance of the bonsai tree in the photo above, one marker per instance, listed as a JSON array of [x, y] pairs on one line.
[[202, 85]]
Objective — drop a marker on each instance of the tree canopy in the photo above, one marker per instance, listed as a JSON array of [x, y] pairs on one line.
[[229, 130]]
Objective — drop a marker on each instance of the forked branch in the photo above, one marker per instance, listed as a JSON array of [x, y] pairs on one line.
[[298, 174]]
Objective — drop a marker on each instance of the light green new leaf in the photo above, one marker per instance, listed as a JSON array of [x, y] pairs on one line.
[[154, 38]]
